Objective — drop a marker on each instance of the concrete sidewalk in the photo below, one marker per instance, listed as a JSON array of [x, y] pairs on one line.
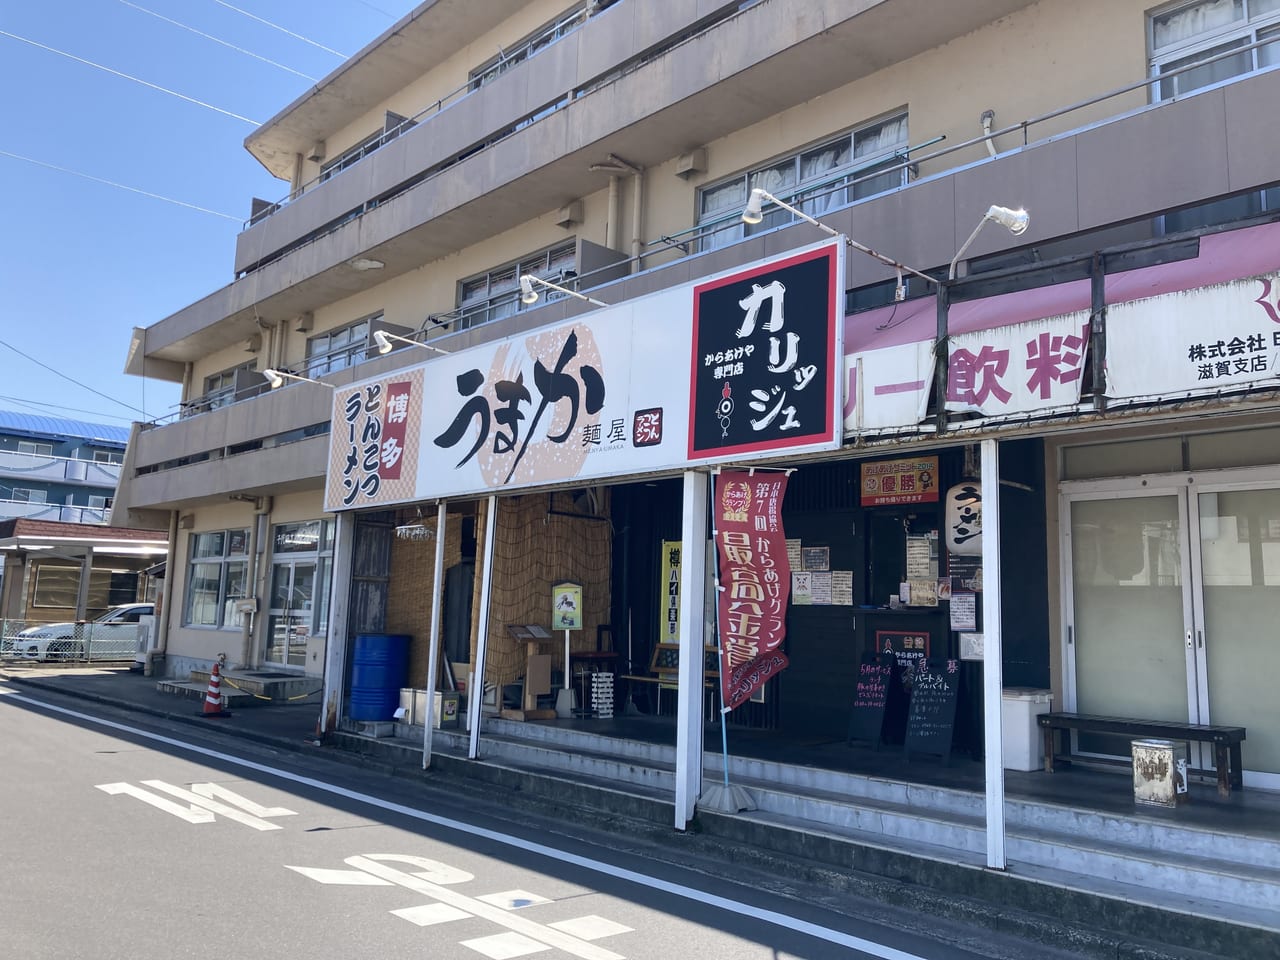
[[289, 725]]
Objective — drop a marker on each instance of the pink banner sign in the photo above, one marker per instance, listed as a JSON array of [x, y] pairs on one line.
[[755, 581]]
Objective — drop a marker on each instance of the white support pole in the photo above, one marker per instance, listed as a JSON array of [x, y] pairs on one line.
[[335, 648], [689, 690], [992, 655], [475, 689], [433, 657]]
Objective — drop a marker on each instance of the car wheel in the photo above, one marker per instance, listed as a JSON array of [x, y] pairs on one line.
[[64, 648]]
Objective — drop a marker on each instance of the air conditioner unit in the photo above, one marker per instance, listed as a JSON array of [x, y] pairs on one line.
[[568, 215], [695, 161]]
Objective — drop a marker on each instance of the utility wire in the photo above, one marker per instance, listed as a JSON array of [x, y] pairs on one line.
[[71, 379], [232, 46], [122, 186], [276, 26], [98, 66], [366, 3], [39, 405]]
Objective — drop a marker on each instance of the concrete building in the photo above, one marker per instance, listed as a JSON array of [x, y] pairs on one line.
[[57, 469], [1109, 368]]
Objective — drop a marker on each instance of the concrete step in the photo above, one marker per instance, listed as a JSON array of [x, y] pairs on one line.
[[192, 690], [1089, 868]]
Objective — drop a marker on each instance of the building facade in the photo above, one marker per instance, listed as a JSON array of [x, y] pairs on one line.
[[56, 469], [1120, 350]]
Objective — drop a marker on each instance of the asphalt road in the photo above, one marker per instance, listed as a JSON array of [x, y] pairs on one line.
[[124, 837]]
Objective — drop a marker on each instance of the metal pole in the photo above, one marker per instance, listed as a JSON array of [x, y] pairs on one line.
[[475, 691], [433, 658], [335, 651], [941, 352], [693, 534], [992, 655]]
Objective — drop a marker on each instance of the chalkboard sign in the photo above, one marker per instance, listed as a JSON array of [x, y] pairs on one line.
[[932, 715], [876, 676]]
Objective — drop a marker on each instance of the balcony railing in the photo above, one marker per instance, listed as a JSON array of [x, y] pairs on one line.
[[553, 34], [67, 513], [45, 469]]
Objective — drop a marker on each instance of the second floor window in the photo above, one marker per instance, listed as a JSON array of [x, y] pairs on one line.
[[495, 293], [340, 348], [220, 389], [107, 456], [816, 180], [35, 449], [1187, 32], [29, 495]]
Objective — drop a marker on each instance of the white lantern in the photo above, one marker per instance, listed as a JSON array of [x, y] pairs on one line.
[[964, 519]]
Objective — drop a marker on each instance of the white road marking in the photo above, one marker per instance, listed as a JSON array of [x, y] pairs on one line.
[[201, 806], [590, 927], [513, 899], [191, 813], [505, 946], [504, 918], [692, 894], [430, 914], [350, 878]]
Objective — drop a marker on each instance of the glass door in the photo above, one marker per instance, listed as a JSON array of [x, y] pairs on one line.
[[290, 619], [1237, 609], [1127, 612]]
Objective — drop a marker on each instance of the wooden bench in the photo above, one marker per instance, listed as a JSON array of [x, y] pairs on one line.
[[1226, 740]]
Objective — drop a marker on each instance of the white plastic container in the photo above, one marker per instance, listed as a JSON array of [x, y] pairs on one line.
[[1023, 740]]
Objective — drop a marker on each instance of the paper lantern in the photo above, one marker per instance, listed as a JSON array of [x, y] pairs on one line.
[[964, 519]]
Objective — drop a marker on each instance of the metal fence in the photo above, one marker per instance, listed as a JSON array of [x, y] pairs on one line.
[[36, 642]]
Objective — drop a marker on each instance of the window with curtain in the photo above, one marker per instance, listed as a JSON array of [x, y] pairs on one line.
[[339, 348], [217, 576], [817, 180], [1186, 33], [495, 293]]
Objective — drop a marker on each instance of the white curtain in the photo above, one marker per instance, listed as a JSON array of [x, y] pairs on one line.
[[1195, 20]]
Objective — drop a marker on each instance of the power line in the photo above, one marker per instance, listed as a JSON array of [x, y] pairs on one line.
[[122, 186], [145, 83], [232, 46], [276, 26], [71, 379], [385, 13]]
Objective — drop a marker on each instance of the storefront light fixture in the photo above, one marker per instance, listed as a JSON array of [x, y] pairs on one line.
[[1015, 221], [365, 263], [383, 340], [754, 213], [277, 378], [528, 295]]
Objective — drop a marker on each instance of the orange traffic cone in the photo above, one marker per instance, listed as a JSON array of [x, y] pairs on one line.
[[213, 696]]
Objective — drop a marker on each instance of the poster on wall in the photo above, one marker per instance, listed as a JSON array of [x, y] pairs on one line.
[[670, 589], [909, 646], [755, 580], [964, 611], [566, 606], [890, 482], [767, 346]]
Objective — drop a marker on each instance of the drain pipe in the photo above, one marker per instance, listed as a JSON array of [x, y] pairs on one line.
[[166, 597], [262, 507], [611, 224], [637, 207]]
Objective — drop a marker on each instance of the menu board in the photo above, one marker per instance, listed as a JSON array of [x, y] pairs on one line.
[[931, 717], [870, 696]]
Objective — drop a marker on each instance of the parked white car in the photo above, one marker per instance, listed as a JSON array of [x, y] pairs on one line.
[[113, 636]]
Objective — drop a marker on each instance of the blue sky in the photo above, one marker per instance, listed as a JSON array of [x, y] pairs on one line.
[[82, 262]]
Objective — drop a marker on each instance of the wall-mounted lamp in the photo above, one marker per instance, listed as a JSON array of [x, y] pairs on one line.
[[365, 263], [277, 378], [1015, 221], [529, 295], [754, 213], [383, 340]]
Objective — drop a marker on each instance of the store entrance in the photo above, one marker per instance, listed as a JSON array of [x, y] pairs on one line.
[[1173, 593]]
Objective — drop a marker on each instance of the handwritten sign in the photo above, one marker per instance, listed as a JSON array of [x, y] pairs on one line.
[[932, 714], [870, 696]]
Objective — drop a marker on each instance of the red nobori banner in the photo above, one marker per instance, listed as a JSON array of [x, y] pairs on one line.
[[755, 581]]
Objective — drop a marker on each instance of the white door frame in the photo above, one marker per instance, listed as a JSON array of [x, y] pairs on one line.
[[1187, 486]]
